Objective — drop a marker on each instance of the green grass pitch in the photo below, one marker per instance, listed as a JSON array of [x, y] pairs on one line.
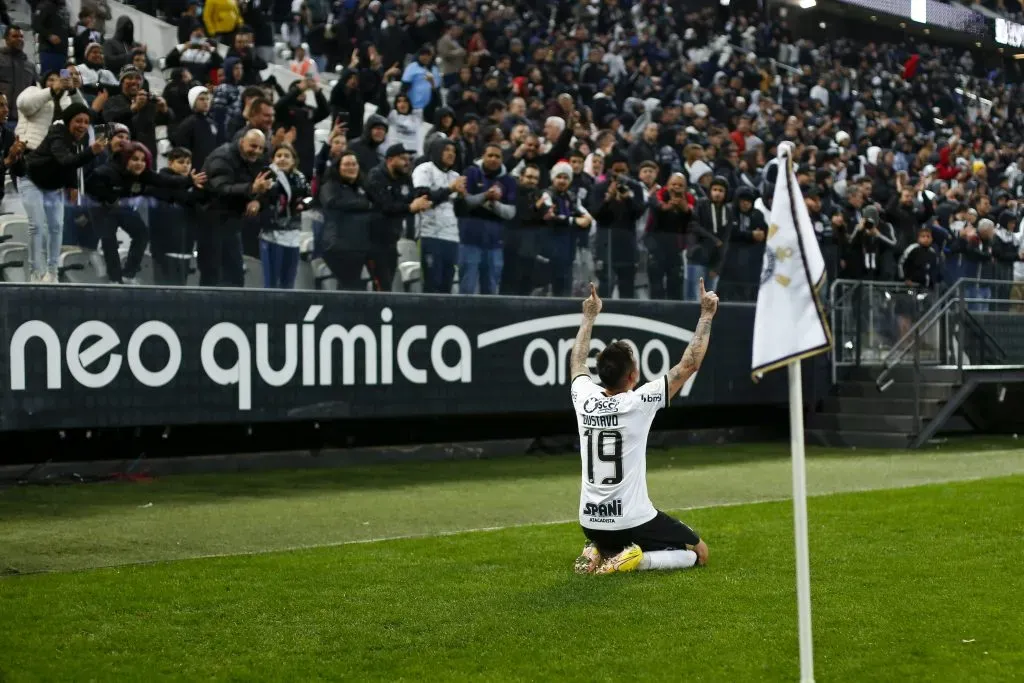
[[282, 576]]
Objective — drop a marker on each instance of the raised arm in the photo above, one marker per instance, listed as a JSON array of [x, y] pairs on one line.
[[693, 356], [580, 351]]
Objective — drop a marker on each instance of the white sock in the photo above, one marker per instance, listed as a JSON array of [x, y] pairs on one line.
[[668, 559]]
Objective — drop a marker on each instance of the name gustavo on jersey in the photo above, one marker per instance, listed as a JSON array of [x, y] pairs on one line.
[[600, 420]]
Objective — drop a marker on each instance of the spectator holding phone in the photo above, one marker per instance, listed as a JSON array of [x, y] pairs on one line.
[[199, 55], [295, 110], [37, 106], [287, 199]]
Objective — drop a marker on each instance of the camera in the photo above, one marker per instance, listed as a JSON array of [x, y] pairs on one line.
[[102, 131]]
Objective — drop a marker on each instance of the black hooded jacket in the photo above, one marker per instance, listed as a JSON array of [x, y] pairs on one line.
[[365, 148], [348, 214], [54, 164], [112, 182]]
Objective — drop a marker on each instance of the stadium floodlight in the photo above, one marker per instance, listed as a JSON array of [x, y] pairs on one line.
[[808, 4]]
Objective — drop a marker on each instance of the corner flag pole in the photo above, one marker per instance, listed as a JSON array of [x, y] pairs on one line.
[[789, 326], [803, 561]]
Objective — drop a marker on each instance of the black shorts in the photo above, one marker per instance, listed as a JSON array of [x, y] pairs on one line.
[[661, 533]]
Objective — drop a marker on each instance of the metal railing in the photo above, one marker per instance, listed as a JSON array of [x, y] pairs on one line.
[[869, 319], [974, 324]]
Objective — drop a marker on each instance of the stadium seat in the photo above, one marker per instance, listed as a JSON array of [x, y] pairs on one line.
[[146, 274], [82, 267], [322, 275], [253, 272], [16, 227], [305, 279], [193, 275], [306, 243], [12, 262]]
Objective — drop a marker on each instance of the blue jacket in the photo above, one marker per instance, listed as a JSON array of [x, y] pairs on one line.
[[483, 223]]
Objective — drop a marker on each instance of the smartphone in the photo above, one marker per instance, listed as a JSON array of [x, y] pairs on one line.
[[197, 40], [342, 117], [65, 73]]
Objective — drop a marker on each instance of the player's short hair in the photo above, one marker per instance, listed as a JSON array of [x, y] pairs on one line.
[[614, 364]]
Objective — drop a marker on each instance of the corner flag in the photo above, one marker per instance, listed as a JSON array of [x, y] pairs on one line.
[[790, 325]]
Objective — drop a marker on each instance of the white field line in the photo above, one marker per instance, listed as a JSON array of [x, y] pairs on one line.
[[456, 532]]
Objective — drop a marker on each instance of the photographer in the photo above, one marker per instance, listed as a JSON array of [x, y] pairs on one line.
[[870, 240], [616, 204], [671, 210], [137, 109], [122, 187]]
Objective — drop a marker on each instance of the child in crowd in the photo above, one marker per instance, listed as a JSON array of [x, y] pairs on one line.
[[287, 199]]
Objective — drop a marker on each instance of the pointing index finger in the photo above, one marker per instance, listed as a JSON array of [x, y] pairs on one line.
[[702, 292]]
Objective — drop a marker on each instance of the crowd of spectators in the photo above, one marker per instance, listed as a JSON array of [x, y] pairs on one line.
[[525, 148]]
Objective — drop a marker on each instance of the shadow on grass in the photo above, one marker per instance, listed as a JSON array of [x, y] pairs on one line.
[[48, 501]]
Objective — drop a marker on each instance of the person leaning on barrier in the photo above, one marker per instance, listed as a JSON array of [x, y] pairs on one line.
[[490, 204], [389, 186], [671, 211], [51, 169], [237, 179], [123, 186], [348, 222], [709, 238], [743, 259], [523, 237], [564, 219], [173, 224], [280, 239]]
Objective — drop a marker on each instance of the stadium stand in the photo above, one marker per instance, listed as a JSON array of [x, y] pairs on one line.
[[909, 151]]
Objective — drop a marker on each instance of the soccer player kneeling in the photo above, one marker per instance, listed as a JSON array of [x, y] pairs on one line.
[[624, 530]]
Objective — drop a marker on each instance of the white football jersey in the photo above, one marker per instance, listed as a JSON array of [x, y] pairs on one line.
[[613, 448]]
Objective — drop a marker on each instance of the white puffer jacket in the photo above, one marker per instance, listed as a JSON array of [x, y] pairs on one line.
[[35, 113]]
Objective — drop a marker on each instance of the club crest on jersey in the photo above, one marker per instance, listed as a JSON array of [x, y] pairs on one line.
[[603, 512], [604, 404]]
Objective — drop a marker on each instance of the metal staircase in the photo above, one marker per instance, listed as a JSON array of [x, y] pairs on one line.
[[905, 393]]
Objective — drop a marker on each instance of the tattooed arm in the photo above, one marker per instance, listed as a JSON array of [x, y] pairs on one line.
[[580, 351], [693, 356]]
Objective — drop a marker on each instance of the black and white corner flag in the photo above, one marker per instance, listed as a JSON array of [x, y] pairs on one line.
[[789, 323]]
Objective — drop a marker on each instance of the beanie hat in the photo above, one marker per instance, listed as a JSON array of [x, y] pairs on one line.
[[126, 71], [73, 110], [562, 168], [721, 181], [117, 128], [91, 46], [193, 95]]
